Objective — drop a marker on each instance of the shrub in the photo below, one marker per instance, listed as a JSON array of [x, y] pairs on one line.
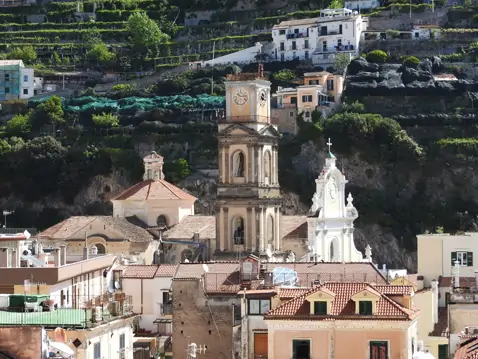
[[106, 120], [284, 75], [411, 61], [377, 56]]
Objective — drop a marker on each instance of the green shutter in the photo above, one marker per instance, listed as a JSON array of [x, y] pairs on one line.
[[320, 308], [469, 259], [442, 351], [453, 258]]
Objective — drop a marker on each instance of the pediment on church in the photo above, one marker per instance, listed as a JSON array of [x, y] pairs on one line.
[[238, 130], [269, 131]]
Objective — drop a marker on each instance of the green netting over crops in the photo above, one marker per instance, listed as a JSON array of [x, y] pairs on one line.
[[133, 104]]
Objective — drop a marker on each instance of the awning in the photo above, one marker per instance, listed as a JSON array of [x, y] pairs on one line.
[[162, 321], [64, 349]]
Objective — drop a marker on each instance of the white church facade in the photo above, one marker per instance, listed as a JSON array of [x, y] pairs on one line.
[[330, 224]]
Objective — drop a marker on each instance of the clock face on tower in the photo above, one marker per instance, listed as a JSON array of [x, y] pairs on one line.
[[240, 96], [262, 98], [333, 189]]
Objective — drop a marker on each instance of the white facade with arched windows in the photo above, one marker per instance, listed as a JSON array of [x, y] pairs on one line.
[[331, 223]]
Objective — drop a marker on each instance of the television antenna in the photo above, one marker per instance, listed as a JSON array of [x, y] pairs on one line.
[[6, 213]]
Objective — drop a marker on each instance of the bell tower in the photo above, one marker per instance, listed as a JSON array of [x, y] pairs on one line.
[[248, 193]]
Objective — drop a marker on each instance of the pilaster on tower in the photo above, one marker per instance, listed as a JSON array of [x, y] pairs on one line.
[[248, 194]]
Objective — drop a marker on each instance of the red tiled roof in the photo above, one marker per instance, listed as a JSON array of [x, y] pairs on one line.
[[468, 350], [72, 225], [441, 328], [148, 271], [204, 225], [290, 227], [465, 282], [343, 307], [395, 289], [151, 190], [289, 293], [223, 277]]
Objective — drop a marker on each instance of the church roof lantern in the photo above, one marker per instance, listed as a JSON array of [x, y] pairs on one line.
[[330, 155]]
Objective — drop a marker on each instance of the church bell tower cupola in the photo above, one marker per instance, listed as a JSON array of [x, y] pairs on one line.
[[153, 167], [248, 194], [331, 217]]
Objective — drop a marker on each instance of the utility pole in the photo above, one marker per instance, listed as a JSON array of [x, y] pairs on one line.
[[5, 214]]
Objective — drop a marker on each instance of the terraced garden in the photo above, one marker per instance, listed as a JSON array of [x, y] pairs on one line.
[[61, 34]]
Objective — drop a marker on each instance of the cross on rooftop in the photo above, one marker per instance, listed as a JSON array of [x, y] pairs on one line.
[[329, 144]]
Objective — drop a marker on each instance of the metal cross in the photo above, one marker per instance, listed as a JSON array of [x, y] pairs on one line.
[[329, 144]]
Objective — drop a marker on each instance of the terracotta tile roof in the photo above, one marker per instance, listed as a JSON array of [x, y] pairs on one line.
[[290, 227], [468, 349], [395, 289], [223, 277], [72, 225], [205, 225], [293, 227], [289, 293], [151, 190], [149, 271], [343, 307], [441, 328], [465, 282]]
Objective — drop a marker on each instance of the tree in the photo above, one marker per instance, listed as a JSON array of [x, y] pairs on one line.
[[49, 112], [99, 52], [106, 120], [377, 56], [19, 124], [411, 61], [336, 4], [341, 62], [178, 170], [92, 37], [284, 75], [27, 54], [145, 32]]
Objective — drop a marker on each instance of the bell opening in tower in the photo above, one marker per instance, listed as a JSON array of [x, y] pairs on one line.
[[238, 227]]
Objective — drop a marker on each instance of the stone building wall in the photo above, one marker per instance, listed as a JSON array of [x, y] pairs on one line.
[[201, 319]]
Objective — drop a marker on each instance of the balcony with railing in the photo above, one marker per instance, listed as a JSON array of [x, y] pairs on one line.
[[335, 49], [83, 313], [297, 35], [249, 119], [166, 308]]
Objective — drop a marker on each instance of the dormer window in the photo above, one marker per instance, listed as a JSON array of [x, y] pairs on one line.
[[365, 307], [320, 308]]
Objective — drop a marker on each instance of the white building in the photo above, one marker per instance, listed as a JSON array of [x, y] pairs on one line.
[[331, 224], [335, 31]]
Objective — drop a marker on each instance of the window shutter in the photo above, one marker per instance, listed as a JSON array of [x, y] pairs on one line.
[[469, 259], [453, 258]]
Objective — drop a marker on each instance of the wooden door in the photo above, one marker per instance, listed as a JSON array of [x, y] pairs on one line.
[[260, 345]]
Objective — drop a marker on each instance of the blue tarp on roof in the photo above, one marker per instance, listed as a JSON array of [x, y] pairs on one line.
[[284, 276]]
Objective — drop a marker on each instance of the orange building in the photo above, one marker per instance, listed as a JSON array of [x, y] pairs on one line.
[[343, 321]]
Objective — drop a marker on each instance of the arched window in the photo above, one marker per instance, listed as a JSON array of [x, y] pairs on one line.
[[270, 231], [186, 254], [101, 248], [332, 251], [162, 221], [238, 230], [238, 163], [267, 167], [150, 174]]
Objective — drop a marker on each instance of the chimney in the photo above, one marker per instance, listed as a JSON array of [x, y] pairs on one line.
[[56, 257], [63, 255], [14, 258], [85, 253], [476, 278], [196, 236], [435, 303], [3, 257], [456, 275]]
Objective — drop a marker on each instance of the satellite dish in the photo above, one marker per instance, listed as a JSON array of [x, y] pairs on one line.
[[205, 268], [117, 285], [27, 234], [186, 260]]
